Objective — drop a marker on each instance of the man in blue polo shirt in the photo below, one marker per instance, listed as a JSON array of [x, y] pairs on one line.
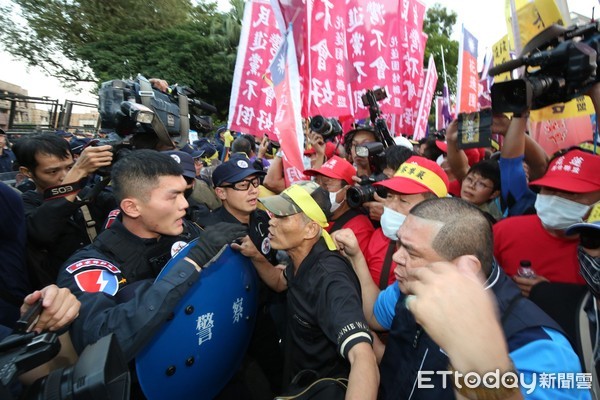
[[436, 326]]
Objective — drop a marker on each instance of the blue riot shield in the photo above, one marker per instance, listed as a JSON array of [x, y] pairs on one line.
[[199, 349]]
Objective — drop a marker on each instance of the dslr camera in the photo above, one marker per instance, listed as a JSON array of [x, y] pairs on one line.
[[364, 192], [560, 64], [100, 373], [329, 128]]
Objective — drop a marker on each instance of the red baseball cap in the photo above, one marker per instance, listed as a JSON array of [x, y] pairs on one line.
[[330, 150], [336, 168], [576, 171], [418, 175], [473, 155]]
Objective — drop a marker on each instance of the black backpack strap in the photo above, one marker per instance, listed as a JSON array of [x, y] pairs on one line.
[[341, 221], [387, 264]]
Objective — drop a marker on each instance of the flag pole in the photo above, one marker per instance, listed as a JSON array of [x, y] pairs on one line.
[[444, 67]]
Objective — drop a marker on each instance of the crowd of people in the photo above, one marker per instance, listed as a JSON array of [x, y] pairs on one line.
[[403, 274]]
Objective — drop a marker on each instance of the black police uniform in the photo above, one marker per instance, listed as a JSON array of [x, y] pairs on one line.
[[264, 345], [114, 280], [325, 317]]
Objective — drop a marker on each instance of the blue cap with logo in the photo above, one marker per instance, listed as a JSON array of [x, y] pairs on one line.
[[185, 160], [236, 169]]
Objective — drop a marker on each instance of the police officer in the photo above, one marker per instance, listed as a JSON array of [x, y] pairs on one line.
[[114, 276]]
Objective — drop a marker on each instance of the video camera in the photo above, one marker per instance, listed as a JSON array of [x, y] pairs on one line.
[[560, 65], [329, 128], [134, 106], [100, 373]]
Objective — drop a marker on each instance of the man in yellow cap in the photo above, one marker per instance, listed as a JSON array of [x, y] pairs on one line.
[[326, 328], [416, 180]]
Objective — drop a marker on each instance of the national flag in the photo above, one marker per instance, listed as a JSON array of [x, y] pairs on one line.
[[468, 79], [288, 122]]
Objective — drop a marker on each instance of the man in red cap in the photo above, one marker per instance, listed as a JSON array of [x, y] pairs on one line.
[[335, 176], [416, 180], [568, 191]]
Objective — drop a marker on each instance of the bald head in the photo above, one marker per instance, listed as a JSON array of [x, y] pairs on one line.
[[465, 229]]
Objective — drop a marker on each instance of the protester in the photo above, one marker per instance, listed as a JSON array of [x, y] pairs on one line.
[[521, 159], [416, 180], [481, 187], [568, 190], [447, 328], [586, 314], [326, 329]]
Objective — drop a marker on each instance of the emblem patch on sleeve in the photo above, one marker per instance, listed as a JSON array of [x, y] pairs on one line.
[[97, 280]]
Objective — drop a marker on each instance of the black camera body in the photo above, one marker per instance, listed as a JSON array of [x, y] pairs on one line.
[[375, 152], [365, 191], [100, 373], [560, 65], [329, 128]]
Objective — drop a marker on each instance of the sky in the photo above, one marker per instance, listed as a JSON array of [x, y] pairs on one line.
[[483, 18]]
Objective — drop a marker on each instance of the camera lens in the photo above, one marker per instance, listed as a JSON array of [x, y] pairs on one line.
[[357, 195]]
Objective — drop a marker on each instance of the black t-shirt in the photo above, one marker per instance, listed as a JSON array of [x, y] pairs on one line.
[[325, 317]]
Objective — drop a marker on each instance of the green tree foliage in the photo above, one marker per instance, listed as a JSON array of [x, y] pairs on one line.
[[99, 40], [438, 24]]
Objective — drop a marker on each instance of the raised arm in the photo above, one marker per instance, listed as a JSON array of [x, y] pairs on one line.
[[348, 245]]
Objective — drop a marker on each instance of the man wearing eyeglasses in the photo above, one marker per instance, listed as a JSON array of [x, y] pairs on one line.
[[236, 184]]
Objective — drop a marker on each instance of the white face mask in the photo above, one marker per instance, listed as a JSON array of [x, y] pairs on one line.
[[390, 222], [559, 213], [332, 199]]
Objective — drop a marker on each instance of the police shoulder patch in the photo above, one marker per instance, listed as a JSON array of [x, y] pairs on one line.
[[95, 275], [92, 263], [97, 280]]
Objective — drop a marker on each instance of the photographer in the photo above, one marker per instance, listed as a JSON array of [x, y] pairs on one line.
[[58, 223], [353, 138], [336, 177], [416, 180], [59, 308]]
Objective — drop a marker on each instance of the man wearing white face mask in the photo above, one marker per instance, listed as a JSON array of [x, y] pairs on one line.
[[335, 176], [415, 180], [568, 190]]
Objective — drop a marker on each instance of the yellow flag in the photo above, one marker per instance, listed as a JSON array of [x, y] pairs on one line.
[[501, 54]]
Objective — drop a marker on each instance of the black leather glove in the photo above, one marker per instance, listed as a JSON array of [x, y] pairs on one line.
[[213, 241]]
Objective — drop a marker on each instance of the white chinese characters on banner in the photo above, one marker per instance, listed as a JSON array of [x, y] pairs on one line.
[[252, 107]]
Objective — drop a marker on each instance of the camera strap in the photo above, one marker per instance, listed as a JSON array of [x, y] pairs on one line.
[[387, 265], [64, 190]]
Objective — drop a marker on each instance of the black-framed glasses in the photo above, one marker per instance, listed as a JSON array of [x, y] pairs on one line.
[[243, 185]]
